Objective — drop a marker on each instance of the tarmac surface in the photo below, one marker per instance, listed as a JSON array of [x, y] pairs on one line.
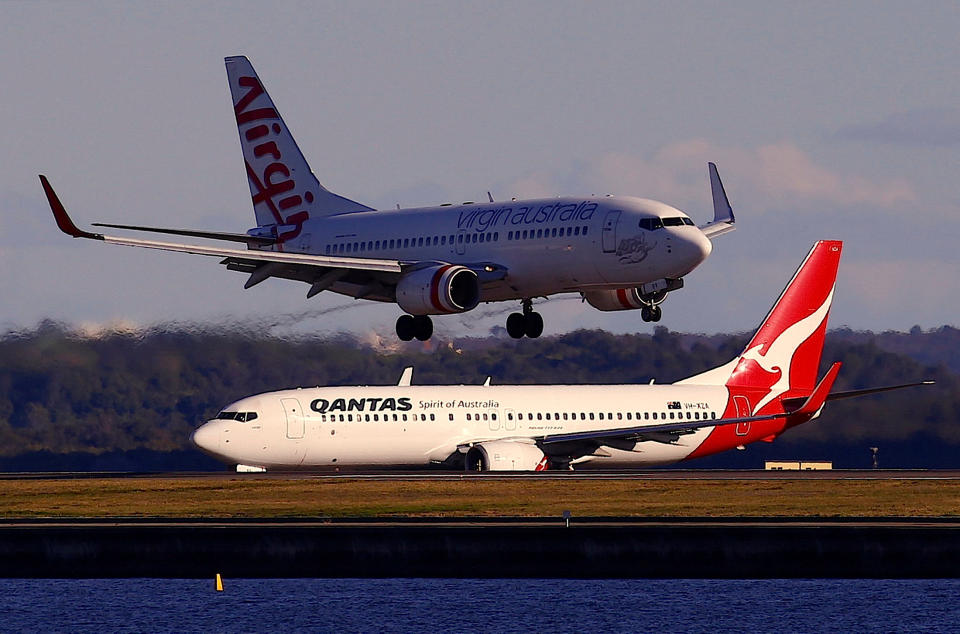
[[425, 475]]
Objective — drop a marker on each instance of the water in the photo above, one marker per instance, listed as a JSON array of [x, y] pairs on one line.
[[489, 605]]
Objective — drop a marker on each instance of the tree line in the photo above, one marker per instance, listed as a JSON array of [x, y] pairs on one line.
[[61, 392]]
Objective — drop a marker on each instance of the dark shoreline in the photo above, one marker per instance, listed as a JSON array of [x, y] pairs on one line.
[[483, 548]]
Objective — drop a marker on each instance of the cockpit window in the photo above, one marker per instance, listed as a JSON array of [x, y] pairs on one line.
[[673, 222], [650, 224], [243, 417], [687, 221]]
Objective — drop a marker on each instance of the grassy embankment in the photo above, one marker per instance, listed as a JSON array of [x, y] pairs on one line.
[[336, 497]]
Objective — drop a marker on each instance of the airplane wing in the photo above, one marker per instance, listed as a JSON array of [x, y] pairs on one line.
[[807, 409], [723, 220], [235, 257], [367, 277]]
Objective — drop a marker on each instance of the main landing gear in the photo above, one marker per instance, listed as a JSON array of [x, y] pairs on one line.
[[651, 310], [526, 323], [410, 326]]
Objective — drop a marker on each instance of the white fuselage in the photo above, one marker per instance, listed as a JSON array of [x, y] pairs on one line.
[[547, 246], [420, 425]]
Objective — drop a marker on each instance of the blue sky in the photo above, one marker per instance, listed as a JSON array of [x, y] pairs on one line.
[[827, 120]]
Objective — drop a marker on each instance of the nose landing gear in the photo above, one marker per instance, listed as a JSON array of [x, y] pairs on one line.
[[527, 323], [651, 310], [410, 326]]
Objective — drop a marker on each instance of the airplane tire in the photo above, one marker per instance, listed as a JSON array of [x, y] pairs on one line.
[[655, 314], [533, 325], [423, 327], [406, 327], [645, 313], [516, 325]]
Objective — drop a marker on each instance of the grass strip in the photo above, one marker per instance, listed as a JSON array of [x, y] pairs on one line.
[[474, 497]]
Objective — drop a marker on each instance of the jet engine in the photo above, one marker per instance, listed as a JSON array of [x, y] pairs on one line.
[[505, 455], [438, 289], [619, 299]]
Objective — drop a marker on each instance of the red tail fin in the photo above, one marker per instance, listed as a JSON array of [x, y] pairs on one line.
[[781, 359]]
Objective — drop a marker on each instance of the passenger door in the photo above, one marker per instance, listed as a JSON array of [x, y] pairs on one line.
[[743, 410], [610, 231], [295, 426]]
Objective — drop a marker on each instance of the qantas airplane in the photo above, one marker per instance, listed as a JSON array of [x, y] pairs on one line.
[[771, 387], [619, 253]]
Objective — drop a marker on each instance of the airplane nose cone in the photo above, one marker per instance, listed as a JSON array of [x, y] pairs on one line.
[[703, 245], [207, 437]]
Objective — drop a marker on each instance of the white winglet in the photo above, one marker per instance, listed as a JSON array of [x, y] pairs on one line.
[[723, 220], [406, 377]]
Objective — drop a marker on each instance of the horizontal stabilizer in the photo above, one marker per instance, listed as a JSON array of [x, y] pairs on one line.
[[209, 235]]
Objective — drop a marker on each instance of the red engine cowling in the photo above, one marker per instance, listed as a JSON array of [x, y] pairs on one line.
[[505, 455], [619, 299], [439, 289]]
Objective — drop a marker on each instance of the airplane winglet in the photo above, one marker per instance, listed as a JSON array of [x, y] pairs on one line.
[[723, 218], [819, 396], [60, 214]]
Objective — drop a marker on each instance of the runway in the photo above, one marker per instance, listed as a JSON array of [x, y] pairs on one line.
[[427, 475]]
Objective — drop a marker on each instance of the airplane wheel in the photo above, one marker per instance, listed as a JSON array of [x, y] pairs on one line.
[[515, 325], [423, 327], [645, 313], [533, 326], [406, 327], [655, 314]]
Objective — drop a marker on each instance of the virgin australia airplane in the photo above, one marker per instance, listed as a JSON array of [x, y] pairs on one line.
[[619, 253], [771, 387]]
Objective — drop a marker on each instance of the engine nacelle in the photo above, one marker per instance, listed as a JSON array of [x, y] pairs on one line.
[[630, 298], [619, 299], [505, 455], [438, 289]]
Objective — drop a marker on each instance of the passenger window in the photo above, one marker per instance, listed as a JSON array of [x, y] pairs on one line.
[[688, 416], [468, 417], [460, 239], [591, 415], [584, 232], [524, 234], [433, 417], [509, 235], [420, 242], [484, 417], [654, 416], [509, 416], [619, 416], [496, 236], [569, 231], [539, 416], [450, 416], [576, 231], [493, 416], [539, 233], [443, 240], [600, 415]]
